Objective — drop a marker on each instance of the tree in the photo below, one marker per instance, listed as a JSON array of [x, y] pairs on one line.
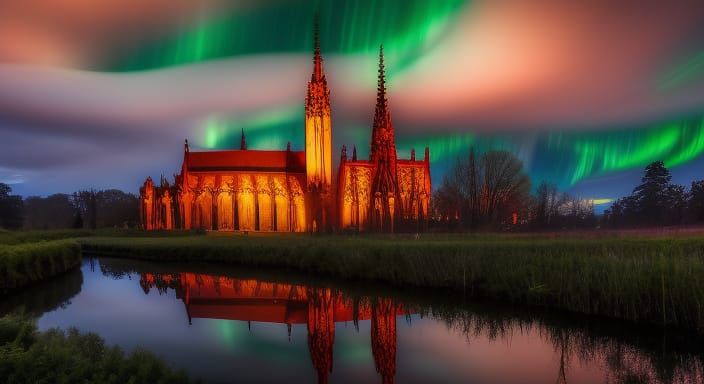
[[10, 208], [675, 204], [695, 201], [115, 208], [656, 201], [547, 205], [52, 212], [86, 203], [487, 193], [505, 186], [651, 195], [473, 190]]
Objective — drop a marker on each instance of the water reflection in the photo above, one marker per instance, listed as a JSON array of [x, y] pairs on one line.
[[225, 325], [44, 297], [228, 298]]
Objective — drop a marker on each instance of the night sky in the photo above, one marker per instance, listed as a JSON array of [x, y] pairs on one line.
[[102, 94]]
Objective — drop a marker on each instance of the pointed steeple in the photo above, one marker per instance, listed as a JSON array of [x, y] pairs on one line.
[[186, 151], [243, 141], [318, 74], [382, 130], [381, 102], [354, 153]]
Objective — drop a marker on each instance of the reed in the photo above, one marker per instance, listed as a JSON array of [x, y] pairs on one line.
[[24, 264], [650, 279]]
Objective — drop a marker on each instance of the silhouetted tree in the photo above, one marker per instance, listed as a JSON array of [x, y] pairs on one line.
[[115, 208], [651, 195], [485, 194], [52, 212], [10, 208], [656, 201], [86, 203], [77, 220], [675, 204], [505, 187], [473, 190], [547, 204], [695, 202]]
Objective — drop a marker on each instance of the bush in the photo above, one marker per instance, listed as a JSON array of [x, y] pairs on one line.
[[56, 356]]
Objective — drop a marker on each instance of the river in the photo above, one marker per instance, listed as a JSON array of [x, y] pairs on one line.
[[225, 324]]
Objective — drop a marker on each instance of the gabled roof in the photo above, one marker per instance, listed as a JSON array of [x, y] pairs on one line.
[[247, 160]]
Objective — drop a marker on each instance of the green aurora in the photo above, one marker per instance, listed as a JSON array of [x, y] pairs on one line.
[[409, 30]]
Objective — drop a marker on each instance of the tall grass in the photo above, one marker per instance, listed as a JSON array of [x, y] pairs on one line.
[[23, 264], [655, 280]]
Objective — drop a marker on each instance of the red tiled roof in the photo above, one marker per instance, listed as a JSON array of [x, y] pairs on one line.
[[248, 160]]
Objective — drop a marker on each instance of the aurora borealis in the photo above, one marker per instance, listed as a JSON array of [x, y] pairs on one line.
[[585, 93]]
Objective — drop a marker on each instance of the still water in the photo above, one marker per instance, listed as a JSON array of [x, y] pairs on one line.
[[234, 325]]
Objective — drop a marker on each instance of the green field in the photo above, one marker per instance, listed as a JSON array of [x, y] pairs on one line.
[[654, 279]]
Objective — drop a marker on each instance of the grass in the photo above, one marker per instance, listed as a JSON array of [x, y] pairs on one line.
[[33, 236], [56, 356], [652, 279], [27, 257], [24, 264]]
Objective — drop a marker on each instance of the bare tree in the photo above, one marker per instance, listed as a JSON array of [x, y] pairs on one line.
[[505, 186]]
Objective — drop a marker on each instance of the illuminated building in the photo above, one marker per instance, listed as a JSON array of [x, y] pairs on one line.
[[384, 193], [294, 191], [229, 298]]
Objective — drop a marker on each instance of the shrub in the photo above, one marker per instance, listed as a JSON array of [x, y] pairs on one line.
[[56, 356]]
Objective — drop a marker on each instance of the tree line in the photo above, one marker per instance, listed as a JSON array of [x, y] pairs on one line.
[[491, 192], [82, 209], [494, 193], [658, 202]]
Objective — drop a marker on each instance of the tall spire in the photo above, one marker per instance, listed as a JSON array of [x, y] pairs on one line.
[[381, 85], [382, 130], [243, 141], [317, 58]]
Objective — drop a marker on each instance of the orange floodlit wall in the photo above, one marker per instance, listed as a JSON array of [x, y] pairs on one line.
[[384, 193]]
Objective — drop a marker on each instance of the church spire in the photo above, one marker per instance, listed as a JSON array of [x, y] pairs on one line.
[[382, 130], [381, 101], [317, 58], [243, 141]]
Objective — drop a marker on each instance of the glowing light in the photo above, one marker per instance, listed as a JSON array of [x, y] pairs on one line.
[[598, 153], [267, 129], [407, 28], [684, 73]]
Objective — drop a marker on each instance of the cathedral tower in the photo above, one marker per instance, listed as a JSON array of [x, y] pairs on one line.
[[318, 126], [383, 157]]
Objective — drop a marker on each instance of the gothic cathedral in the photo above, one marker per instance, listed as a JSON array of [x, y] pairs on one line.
[[294, 191]]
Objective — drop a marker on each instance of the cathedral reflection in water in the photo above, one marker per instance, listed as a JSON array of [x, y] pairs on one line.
[[219, 297]]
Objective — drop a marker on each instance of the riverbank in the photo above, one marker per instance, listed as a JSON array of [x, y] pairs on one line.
[[650, 279], [26, 263]]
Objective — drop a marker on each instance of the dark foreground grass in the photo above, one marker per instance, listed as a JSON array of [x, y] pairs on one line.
[[56, 356], [24, 264], [655, 280]]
